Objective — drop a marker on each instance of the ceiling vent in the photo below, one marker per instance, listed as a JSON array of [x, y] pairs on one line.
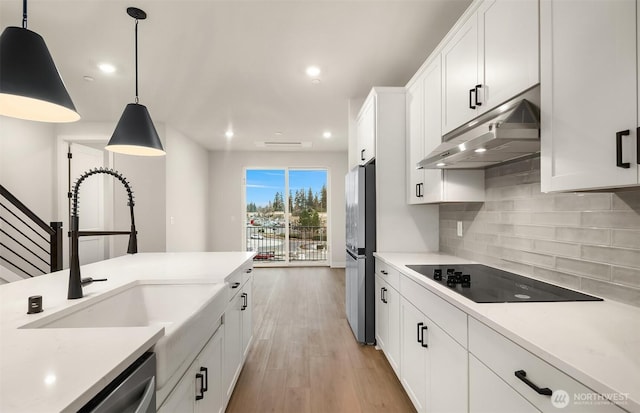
[[283, 145]]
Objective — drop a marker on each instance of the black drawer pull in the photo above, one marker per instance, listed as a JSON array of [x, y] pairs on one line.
[[362, 155], [425, 345], [471, 105], [619, 162], [235, 285], [248, 270], [201, 395], [522, 375], [419, 330], [205, 386], [478, 103], [384, 272]]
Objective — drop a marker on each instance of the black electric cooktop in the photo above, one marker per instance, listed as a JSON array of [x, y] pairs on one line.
[[484, 284]]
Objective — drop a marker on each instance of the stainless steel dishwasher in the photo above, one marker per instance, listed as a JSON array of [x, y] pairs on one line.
[[133, 391]]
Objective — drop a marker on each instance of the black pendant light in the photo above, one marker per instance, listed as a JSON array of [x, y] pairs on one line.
[[30, 86], [135, 133]]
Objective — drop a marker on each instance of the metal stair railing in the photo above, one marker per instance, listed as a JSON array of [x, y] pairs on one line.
[[28, 244]]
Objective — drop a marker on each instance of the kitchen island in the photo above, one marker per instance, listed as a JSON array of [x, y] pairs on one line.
[[589, 351], [60, 369]]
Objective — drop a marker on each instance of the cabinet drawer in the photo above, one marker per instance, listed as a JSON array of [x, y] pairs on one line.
[[234, 283], [390, 275], [449, 318], [505, 358]]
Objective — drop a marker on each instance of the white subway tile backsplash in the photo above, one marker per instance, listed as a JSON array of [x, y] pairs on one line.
[[598, 236], [586, 268], [587, 241], [626, 238]]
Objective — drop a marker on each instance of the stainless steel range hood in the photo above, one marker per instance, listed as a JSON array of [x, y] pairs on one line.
[[507, 132]]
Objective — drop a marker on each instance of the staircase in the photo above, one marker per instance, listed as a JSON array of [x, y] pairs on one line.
[[28, 246]]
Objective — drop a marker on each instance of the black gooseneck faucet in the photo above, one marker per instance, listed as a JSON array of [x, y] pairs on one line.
[[75, 281]]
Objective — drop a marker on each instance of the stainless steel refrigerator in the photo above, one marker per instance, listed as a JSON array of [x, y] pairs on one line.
[[360, 194]]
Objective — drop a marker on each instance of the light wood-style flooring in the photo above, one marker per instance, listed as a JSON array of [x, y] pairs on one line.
[[304, 357]]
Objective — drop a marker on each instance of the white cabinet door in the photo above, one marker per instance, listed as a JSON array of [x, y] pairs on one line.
[[247, 317], [489, 394], [183, 397], [392, 344], [448, 370], [432, 188], [509, 49], [460, 76], [382, 314], [588, 93], [414, 367], [415, 140], [232, 343], [209, 364], [366, 130]]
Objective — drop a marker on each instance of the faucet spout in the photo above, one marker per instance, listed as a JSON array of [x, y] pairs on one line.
[[75, 279]]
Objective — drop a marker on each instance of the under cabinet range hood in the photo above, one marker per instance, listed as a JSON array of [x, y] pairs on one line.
[[507, 132]]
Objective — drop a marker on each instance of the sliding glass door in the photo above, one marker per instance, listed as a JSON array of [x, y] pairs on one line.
[[286, 215]]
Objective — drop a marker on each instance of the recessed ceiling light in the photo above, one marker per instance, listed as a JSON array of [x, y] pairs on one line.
[[441, 164], [480, 150], [313, 71], [106, 67], [88, 78], [315, 81], [229, 134], [326, 135], [278, 133]]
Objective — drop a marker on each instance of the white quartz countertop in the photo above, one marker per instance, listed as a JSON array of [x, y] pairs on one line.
[[53, 370], [596, 342]]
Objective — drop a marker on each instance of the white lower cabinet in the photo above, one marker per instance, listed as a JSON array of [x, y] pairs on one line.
[[489, 394], [238, 335], [200, 389], [388, 322], [541, 384], [433, 365]]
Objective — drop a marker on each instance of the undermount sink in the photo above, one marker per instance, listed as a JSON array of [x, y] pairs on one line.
[[189, 313]]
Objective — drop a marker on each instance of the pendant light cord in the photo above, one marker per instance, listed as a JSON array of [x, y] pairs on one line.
[[136, 59], [24, 14]]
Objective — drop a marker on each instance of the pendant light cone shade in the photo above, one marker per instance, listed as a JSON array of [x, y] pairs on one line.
[[30, 86], [135, 133]]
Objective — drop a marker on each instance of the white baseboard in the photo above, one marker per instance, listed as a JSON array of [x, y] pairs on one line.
[[339, 264]]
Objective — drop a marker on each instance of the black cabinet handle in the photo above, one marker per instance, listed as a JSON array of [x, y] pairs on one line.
[[244, 301], [383, 295], [384, 272], [478, 103], [235, 285], [201, 395], [425, 345], [419, 330], [362, 155], [638, 145], [417, 191], [205, 382], [249, 270], [522, 375], [619, 162], [471, 91]]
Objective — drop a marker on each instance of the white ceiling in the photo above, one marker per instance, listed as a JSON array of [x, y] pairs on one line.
[[206, 66]]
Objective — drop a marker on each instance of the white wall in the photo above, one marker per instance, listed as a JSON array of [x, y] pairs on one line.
[[187, 172], [27, 162], [226, 186]]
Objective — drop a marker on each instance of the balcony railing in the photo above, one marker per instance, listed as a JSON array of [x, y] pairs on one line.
[[305, 243]]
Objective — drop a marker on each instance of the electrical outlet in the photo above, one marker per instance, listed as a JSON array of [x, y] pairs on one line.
[[459, 228]]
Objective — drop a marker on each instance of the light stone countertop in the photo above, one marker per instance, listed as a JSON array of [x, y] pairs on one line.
[[596, 343], [58, 369]]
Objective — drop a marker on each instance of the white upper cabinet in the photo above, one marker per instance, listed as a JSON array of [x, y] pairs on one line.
[[415, 140], [460, 100], [589, 95], [424, 121], [509, 44], [366, 130], [491, 58]]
